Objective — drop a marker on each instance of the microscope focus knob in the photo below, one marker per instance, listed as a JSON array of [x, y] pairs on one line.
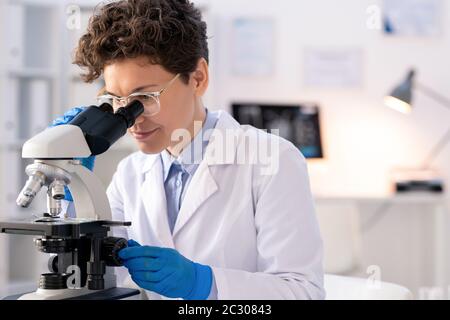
[[110, 251]]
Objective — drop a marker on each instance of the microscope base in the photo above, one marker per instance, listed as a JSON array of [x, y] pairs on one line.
[[68, 294]]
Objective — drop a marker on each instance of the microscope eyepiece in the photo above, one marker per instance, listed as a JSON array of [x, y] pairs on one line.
[[102, 128], [106, 107], [131, 112]]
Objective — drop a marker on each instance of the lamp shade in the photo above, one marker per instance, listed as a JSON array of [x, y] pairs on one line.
[[400, 98]]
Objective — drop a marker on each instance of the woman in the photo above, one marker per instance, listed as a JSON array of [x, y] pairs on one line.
[[218, 210]]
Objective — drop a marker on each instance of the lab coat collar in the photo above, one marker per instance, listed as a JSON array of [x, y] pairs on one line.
[[223, 141], [195, 197], [150, 161], [154, 200]]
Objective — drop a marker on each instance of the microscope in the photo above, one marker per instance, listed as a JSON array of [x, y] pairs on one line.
[[82, 251]]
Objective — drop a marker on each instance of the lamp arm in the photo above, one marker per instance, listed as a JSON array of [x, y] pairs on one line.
[[441, 144], [444, 101], [436, 151]]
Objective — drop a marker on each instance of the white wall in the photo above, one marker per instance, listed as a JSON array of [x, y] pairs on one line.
[[2, 86], [363, 139], [3, 239]]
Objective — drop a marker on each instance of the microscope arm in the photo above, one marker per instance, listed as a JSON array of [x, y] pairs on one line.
[[85, 185]]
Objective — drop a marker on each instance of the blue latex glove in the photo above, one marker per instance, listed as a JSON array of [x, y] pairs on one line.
[[65, 119], [167, 272]]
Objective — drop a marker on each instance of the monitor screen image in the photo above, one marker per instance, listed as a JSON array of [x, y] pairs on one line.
[[297, 123]]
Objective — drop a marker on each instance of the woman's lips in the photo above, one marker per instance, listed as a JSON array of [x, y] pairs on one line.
[[140, 136]]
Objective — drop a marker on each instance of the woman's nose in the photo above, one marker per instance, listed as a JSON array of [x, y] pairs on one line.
[[139, 119]]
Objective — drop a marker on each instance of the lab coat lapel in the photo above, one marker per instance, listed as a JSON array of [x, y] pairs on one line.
[[202, 187], [154, 198]]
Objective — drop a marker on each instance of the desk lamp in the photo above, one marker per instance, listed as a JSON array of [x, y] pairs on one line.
[[423, 178]]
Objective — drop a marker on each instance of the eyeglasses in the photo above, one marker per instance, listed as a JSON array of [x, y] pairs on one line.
[[150, 100]]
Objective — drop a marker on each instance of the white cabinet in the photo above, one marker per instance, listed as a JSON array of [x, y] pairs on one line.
[[3, 239], [400, 238]]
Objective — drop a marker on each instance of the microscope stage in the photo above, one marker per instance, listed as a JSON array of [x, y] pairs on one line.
[[57, 227]]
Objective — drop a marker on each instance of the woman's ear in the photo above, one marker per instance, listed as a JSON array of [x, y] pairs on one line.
[[200, 77]]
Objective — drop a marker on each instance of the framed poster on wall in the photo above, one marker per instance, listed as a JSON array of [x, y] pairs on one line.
[[253, 47], [421, 18]]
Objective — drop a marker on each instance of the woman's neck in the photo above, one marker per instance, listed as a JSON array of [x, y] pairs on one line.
[[194, 129]]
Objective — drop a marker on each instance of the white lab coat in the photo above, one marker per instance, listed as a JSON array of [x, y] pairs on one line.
[[258, 232]]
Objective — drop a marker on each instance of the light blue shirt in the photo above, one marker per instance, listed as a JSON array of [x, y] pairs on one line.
[[178, 173]]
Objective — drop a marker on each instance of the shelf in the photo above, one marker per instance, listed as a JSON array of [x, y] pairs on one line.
[[409, 198], [40, 3], [19, 286], [32, 73]]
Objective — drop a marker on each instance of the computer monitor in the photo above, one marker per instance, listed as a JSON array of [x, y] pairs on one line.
[[297, 123]]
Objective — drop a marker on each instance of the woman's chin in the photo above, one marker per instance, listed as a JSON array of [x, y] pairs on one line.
[[150, 147]]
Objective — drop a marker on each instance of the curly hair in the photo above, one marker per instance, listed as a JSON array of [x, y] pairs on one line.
[[170, 33]]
